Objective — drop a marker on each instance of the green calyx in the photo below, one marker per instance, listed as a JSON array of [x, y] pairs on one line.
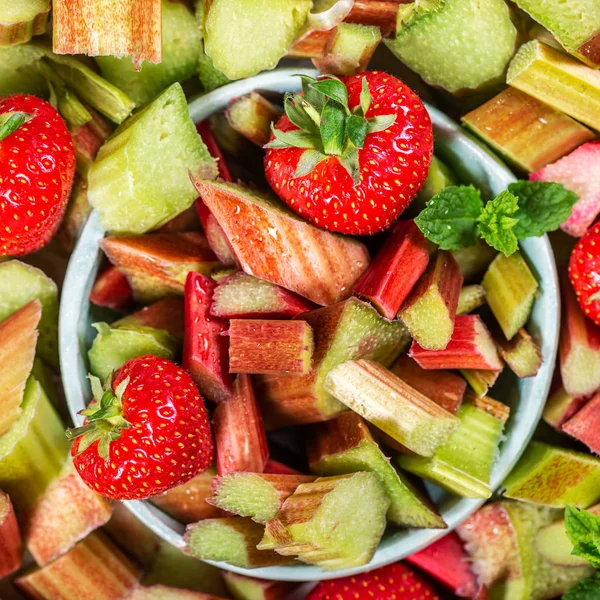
[[104, 417], [11, 121], [326, 125]]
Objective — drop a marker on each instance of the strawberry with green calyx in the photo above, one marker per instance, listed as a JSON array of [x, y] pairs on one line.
[[584, 272], [350, 154], [146, 431]]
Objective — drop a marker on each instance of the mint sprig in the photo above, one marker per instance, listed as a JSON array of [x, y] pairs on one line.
[[496, 223], [583, 529]]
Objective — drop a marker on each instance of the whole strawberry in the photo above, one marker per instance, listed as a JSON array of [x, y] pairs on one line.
[[37, 165], [350, 154], [145, 432], [393, 582], [584, 272]]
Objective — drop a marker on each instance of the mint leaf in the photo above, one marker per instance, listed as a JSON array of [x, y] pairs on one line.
[[587, 589], [543, 206], [496, 223], [583, 529], [450, 217]]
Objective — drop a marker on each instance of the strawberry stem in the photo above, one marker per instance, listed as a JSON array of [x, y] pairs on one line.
[[11, 121]]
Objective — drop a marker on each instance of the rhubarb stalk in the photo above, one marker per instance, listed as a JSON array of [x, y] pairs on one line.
[[521, 354], [243, 587], [165, 314], [471, 298], [21, 21], [11, 548], [252, 116], [481, 380], [561, 406], [585, 425], [111, 289]]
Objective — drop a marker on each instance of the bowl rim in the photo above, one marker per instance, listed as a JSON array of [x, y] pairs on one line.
[[86, 258]]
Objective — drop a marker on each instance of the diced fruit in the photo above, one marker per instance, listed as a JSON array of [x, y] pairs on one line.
[[234, 33], [186, 221], [252, 116], [299, 257], [242, 587], [256, 495], [157, 264], [93, 564], [471, 298], [270, 347], [87, 139], [481, 380], [213, 148], [111, 289], [554, 477], [474, 260], [396, 268], [205, 348], [561, 406], [582, 426], [344, 445], [526, 132], [239, 432], [210, 77], [438, 177], [162, 140], [232, 540], [375, 12], [391, 405], [163, 592], [181, 46], [510, 290], [19, 22], [165, 314], [558, 80], [11, 548], [216, 238], [521, 354], [76, 214], [275, 467]]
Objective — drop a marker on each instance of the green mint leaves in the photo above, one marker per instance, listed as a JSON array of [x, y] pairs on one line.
[[583, 529], [456, 217]]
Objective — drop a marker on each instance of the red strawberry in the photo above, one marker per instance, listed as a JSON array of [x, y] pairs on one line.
[[584, 272], [350, 154], [145, 433], [37, 165], [394, 582]]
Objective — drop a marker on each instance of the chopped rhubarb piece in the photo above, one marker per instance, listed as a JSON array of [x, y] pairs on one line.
[[65, 514], [480, 380], [573, 171], [274, 467], [446, 389], [256, 495], [242, 587], [87, 139], [471, 298], [381, 13], [18, 337], [76, 215], [447, 562], [582, 426], [165, 314], [215, 236], [561, 406], [21, 21], [232, 540], [93, 564], [222, 273], [270, 347], [157, 265], [252, 116], [430, 310], [111, 289], [164, 592], [345, 445], [11, 548], [395, 269], [274, 244], [521, 354], [243, 296], [390, 404], [471, 347], [239, 432], [186, 221], [213, 148], [474, 260], [204, 347], [131, 29], [579, 347]]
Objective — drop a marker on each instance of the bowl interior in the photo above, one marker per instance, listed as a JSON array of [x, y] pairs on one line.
[[473, 164]]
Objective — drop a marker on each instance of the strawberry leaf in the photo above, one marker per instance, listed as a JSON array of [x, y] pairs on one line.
[[313, 96], [496, 223], [10, 122], [334, 89], [308, 161], [349, 160], [357, 129], [365, 97], [294, 109], [333, 128], [296, 138]]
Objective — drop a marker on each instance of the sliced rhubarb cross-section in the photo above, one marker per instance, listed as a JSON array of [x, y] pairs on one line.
[[585, 425], [471, 298], [167, 592], [166, 314], [481, 380], [216, 238], [381, 13], [522, 355], [252, 116], [20, 22], [111, 289], [11, 547], [250, 588], [561, 406]]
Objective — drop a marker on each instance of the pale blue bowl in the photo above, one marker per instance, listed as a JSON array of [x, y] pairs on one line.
[[474, 164]]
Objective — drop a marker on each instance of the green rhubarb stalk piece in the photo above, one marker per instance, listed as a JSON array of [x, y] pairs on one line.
[[526, 132], [554, 476], [165, 592], [474, 260], [480, 380], [242, 587], [323, 524], [387, 402], [345, 445], [19, 73], [210, 77], [232, 540], [439, 176], [160, 139], [252, 116], [510, 290], [522, 355], [558, 80], [471, 298], [112, 347], [561, 406], [33, 452], [20, 21]]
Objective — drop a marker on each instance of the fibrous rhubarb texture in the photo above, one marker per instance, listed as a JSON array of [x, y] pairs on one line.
[[252, 116], [233, 540], [382, 14], [270, 347], [474, 260], [166, 314], [111, 289], [217, 240], [558, 80], [585, 425], [157, 264], [11, 548], [391, 405], [93, 564], [20, 21], [522, 355], [18, 337], [108, 27], [526, 132], [242, 587], [247, 297], [64, 514], [481, 380], [239, 432], [471, 347], [395, 269], [430, 310], [314, 263], [554, 477], [164, 592], [471, 298], [345, 445], [87, 140], [561, 406], [259, 496], [322, 524], [510, 290]]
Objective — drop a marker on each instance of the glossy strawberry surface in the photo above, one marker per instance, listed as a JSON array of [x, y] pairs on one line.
[[584, 272]]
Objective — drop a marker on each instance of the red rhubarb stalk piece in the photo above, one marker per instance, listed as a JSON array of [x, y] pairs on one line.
[[471, 347], [239, 432], [382, 14], [213, 147], [11, 548], [204, 346], [585, 425], [112, 290], [87, 139], [395, 269], [274, 467], [561, 406], [164, 314]]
